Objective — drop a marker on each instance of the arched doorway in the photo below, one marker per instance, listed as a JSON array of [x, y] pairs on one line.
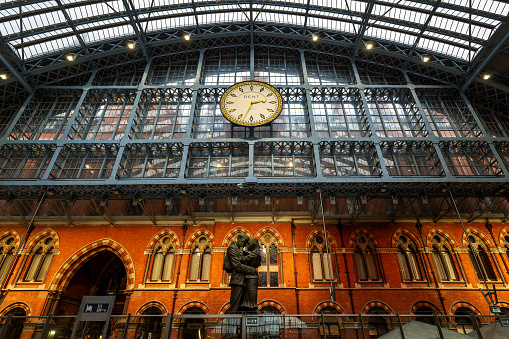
[[150, 327], [15, 328], [102, 274], [425, 315], [193, 328]]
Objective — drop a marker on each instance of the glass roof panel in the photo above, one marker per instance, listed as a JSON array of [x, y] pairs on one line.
[[399, 21]]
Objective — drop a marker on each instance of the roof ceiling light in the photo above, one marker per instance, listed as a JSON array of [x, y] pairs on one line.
[[187, 37], [486, 76], [131, 44], [4, 76], [370, 45], [314, 37], [426, 58], [70, 57]]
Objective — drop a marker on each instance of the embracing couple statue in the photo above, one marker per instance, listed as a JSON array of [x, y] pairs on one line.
[[244, 278]]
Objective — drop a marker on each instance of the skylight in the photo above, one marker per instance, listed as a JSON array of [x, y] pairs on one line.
[[452, 28]]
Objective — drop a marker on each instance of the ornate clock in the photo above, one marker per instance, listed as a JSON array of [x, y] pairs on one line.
[[251, 103]]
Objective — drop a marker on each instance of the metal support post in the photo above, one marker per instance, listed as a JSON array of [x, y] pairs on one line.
[[6, 326], [437, 323], [362, 326], [167, 326], [400, 326], [45, 330], [477, 330], [243, 327], [126, 327]]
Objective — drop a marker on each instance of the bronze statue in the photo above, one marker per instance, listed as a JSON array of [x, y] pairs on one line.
[[234, 255], [253, 259]]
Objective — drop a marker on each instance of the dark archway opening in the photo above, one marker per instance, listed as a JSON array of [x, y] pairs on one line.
[[102, 274], [150, 327], [425, 315], [193, 328], [15, 327]]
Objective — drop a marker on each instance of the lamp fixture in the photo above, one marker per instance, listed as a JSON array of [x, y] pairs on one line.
[[4, 76], [131, 44], [70, 57], [370, 45], [486, 76], [426, 58], [314, 37], [187, 37]]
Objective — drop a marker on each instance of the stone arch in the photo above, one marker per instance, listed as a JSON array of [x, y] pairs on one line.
[[12, 233], [150, 304], [332, 304], [42, 234], [75, 261], [232, 233], [424, 304], [471, 307], [274, 232], [503, 232], [437, 230], [459, 304], [479, 233], [19, 304], [362, 231], [377, 303], [315, 232], [190, 304], [403, 231], [272, 303], [166, 232], [224, 308], [197, 234]]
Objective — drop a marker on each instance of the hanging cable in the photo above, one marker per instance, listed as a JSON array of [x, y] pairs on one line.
[[331, 273], [474, 254]]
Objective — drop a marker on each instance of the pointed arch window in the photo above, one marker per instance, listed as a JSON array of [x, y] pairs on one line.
[[40, 260], [482, 266], [321, 263], [162, 261], [268, 272], [366, 260], [6, 254], [443, 260], [408, 259], [201, 257]]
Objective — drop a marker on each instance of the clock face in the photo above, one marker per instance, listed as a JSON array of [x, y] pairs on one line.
[[251, 103]]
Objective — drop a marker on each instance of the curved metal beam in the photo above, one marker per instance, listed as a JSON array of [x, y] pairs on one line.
[[137, 29]]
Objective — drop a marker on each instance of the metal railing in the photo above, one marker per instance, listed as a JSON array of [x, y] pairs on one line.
[[237, 326]]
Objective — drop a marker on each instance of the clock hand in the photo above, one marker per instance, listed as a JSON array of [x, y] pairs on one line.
[[257, 101], [247, 109]]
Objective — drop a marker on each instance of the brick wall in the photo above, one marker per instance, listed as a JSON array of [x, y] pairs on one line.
[[393, 293]]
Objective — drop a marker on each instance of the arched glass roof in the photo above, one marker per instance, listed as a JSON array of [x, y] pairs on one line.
[[458, 29]]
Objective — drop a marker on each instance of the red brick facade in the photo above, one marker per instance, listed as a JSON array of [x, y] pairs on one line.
[[74, 245]]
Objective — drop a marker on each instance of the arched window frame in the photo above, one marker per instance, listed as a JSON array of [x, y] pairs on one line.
[[320, 272], [330, 322], [485, 259], [39, 260], [443, 259], [268, 244], [162, 261], [366, 260], [200, 259], [408, 258], [7, 246]]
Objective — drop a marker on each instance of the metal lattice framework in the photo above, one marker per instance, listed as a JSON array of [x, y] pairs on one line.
[[155, 130], [459, 38]]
